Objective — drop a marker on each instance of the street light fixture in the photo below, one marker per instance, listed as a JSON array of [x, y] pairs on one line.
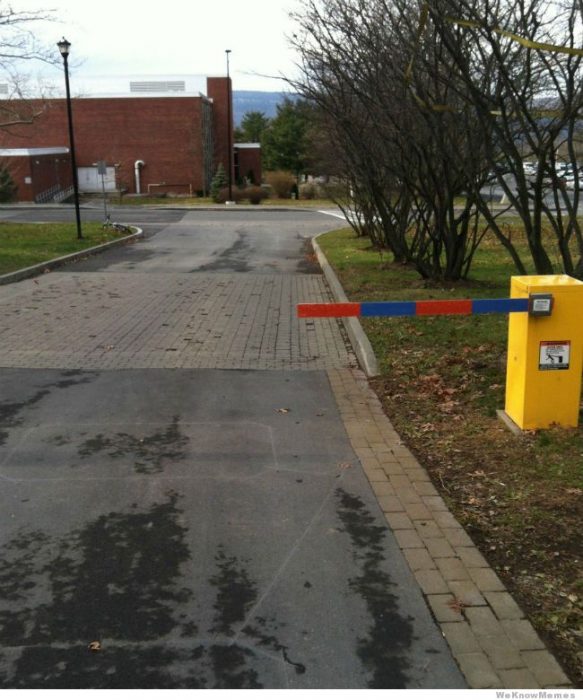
[[64, 47], [229, 129]]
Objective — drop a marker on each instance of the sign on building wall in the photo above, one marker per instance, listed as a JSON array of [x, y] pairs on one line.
[[90, 179]]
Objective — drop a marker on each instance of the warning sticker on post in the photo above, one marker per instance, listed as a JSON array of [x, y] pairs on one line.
[[554, 354]]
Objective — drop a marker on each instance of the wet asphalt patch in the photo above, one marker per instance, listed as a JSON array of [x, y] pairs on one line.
[[148, 454], [384, 649], [235, 258], [12, 412], [178, 529], [117, 581]]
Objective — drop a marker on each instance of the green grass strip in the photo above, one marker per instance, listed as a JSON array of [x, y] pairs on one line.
[[24, 245]]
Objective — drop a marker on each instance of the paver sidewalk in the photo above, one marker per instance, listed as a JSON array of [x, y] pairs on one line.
[[493, 643]]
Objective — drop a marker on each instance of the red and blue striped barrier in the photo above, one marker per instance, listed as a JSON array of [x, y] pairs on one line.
[[413, 308]]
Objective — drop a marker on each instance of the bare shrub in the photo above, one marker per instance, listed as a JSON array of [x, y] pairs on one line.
[[237, 195], [309, 190], [281, 182], [255, 194]]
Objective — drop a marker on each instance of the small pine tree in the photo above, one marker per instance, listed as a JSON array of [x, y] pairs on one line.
[[7, 187], [218, 182]]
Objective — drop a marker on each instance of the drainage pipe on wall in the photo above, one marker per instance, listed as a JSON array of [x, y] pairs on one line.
[[137, 166]]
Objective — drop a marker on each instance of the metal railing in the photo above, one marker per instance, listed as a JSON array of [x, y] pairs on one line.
[[55, 194]]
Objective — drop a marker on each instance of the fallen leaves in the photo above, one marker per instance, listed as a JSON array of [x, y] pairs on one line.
[[434, 385], [448, 406], [456, 605], [344, 465]]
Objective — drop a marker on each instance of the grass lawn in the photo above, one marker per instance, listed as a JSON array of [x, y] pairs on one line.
[[23, 245], [208, 202], [442, 379]]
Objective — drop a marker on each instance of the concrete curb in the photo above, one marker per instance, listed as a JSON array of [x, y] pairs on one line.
[[39, 269], [358, 337], [164, 207], [238, 209]]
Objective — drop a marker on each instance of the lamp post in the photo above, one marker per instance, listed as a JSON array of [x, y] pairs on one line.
[[229, 129], [64, 47]]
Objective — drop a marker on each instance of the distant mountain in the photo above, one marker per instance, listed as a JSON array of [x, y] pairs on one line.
[[255, 101]]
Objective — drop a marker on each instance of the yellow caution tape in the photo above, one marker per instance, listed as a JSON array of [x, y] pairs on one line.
[[541, 46], [528, 43], [422, 22]]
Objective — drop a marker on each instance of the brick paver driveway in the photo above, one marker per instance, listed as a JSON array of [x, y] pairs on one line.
[[213, 320], [179, 300]]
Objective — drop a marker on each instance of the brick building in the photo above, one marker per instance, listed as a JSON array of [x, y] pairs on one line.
[[41, 174], [247, 162], [154, 135]]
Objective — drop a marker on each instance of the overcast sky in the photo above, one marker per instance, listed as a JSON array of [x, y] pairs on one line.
[[174, 37]]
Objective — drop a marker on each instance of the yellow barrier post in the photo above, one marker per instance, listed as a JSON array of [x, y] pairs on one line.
[[545, 353]]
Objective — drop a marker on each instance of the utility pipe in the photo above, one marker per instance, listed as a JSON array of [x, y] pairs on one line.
[[137, 165]]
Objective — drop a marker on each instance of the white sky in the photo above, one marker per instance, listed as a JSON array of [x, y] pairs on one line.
[[172, 37]]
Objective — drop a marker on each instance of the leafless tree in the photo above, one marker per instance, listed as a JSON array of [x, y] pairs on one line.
[[428, 103], [522, 77], [20, 46], [336, 66], [405, 163]]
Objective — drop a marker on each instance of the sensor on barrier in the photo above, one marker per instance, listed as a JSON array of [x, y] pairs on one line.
[[540, 304]]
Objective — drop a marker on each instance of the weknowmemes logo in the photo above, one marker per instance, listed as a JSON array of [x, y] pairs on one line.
[[535, 695]]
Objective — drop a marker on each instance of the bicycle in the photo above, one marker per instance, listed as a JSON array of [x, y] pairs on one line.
[[116, 226]]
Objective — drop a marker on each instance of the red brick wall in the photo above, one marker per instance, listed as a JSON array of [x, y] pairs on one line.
[[249, 159], [218, 91], [50, 170], [164, 132], [45, 171], [19, 169]]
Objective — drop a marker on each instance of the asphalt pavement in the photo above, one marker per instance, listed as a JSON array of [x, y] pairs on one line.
[[181, 504]]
